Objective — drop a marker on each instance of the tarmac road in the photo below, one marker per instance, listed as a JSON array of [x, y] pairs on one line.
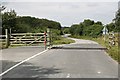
[[18, 54], [68, 63]]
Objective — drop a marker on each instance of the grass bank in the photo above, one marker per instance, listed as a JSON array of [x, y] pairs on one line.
[[2, 45], [63, 40], [112, 50]]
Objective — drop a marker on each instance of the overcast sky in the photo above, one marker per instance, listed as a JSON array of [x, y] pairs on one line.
[[67, 13]]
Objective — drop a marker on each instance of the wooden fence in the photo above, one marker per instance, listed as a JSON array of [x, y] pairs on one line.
[[3, 41], [113, 39], [26, 38]]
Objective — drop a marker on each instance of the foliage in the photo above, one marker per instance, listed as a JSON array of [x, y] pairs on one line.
[[111, 27], [112, 51], [87, 28], [20, 24], [63, 41], [117, 21], [99, 23], [56, 34], [88, 22], [21, 29], [115, 25], [8, 20], [66, 30], [2, 45], [76, 29], [2, 8]]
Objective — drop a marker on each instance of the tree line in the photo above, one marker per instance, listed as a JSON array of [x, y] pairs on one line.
[[20, 24], [94, 29], [87, 28]]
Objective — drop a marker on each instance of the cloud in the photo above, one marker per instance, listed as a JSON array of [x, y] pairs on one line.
[[67, 12], [59, 0]]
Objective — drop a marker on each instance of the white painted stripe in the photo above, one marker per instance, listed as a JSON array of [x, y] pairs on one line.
[[22, 62], [68, 76], [98, 72], [111, 58]]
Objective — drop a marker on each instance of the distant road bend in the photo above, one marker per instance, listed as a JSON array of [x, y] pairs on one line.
[[91, 61]]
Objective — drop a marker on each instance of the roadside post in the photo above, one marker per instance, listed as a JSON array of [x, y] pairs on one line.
[[105, 32], [7, 38], [111, 39], [10, 32], [48, 37], [45, 40]]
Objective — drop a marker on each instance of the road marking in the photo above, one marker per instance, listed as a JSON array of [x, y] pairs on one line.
[[22, 62], [98, 72], [27, 65], [111, 58], [68, 76], [35, 76]]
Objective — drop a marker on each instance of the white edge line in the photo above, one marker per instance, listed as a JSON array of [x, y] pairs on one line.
[[68, 76], [111, 58], [22, 62]]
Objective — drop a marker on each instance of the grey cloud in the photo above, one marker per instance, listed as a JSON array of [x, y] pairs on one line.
[[119, 4], [67, 12], [93, 4]]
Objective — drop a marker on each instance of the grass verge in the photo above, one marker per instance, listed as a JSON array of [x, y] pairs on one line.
[[2, 45], [63, 40]]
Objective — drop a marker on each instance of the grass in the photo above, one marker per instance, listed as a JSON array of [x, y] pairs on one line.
[[63, 41], [112, 50], [2, 45]]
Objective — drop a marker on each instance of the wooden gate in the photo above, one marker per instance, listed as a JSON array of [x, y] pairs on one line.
[[28, 39]]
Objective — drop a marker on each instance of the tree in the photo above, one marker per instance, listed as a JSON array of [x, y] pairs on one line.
[[96, 30], [2, 8], [111, 27], [8, 20], [65, 30], [117, 21], [88, 22], [87, 28], [99, 23], [26, 23], [76, 29]]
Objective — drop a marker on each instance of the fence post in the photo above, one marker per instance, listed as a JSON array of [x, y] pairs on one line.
[[45, 40], [111, 39], [7, 38], [48, 37], [10, 31]]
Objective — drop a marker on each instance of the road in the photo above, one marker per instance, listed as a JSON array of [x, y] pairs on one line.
[[12, 56], [68, 63]]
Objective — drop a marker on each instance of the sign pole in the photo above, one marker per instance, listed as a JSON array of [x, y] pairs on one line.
[[105, 32]]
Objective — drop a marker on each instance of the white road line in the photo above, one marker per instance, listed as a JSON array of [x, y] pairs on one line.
[[111, 58], [98, 72], [68, 76], [22, 62]]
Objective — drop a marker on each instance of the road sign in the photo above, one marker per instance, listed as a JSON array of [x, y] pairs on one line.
[[105, 30]]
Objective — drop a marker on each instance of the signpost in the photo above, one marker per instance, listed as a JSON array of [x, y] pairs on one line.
[[105, 32]]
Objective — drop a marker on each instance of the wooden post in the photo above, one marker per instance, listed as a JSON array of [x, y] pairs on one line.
[[48, 37], [10, 31], [45, 40], [7, 38]]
